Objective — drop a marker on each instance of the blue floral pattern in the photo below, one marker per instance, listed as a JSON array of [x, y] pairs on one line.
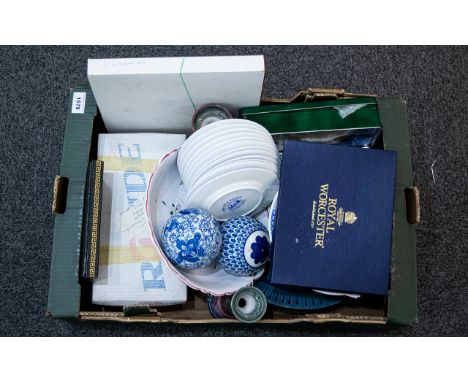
[[260, 249], [190, 250], [191, 239]]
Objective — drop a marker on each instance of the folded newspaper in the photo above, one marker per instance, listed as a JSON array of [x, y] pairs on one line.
[[130, 267]]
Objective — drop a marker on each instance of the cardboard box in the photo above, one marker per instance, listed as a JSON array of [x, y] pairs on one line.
[[69, 299]]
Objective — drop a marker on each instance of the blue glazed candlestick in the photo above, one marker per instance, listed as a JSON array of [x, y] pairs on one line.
[[192, 239], [246, 246]]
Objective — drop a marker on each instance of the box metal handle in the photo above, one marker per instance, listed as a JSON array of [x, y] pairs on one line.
[[59, 200], [413, 210]]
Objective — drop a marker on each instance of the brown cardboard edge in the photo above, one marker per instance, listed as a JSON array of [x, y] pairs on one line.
[[309, 318]]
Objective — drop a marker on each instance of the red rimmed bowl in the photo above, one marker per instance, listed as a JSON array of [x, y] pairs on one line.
[[166, 196]]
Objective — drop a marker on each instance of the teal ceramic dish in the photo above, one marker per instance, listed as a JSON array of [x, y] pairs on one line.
[[295, 298]]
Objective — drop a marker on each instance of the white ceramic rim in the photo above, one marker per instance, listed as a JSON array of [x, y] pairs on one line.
[[231, 172], [208, 197], [224, 131], [192, 153], [228, 141], [225, 124], [194, 137], [234, 165], [209, 161]]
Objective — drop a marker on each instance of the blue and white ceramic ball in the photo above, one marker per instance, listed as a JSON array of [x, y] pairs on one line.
[[192, 239], [246, 246]]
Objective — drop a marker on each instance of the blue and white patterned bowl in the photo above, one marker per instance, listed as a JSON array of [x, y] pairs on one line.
[[246, 246], [192, 239]]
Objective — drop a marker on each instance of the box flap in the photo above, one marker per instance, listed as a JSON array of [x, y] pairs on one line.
[[402, 302], [64, 288]]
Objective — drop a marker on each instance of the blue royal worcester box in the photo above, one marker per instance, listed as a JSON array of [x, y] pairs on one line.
[[335, 217]]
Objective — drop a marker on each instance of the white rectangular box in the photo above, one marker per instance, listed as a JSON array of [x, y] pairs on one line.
[[162, 94], [130, 267]]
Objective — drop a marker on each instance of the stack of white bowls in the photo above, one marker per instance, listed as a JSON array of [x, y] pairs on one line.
[[230, 168]]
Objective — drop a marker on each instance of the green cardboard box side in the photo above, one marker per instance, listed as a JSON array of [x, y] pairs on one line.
[[402, 300], [65, 290]]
